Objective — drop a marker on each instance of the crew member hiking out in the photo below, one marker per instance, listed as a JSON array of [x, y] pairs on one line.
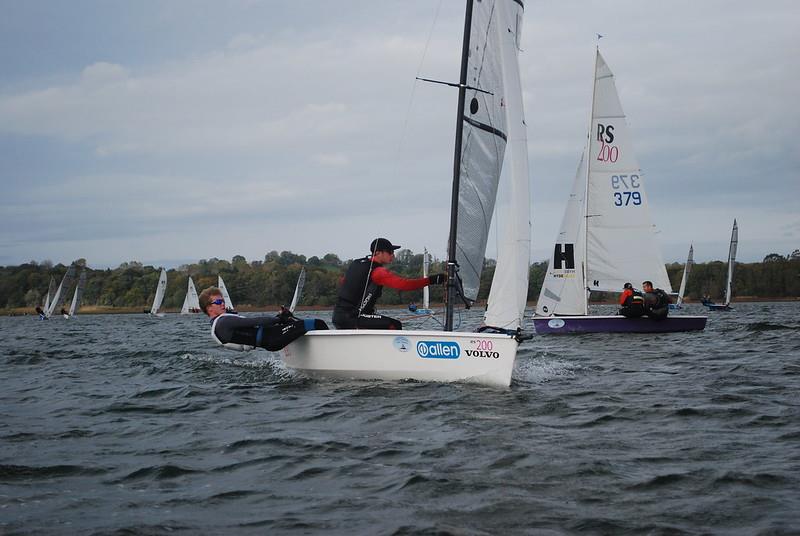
[[237, 332], [363, 285]]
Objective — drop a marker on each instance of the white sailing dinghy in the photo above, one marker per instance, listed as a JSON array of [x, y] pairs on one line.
[[61, 292], [686, 269], [489, 116], [225, 296], [76, 297], [51, 290], [191, 303], [607, 237], [161, 289], [298, 289], [729, 281]]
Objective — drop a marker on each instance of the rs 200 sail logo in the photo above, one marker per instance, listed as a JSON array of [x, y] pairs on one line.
[[438, 349]]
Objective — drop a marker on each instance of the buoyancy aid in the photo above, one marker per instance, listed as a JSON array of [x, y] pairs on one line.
[[635, 297], [229, 345], [358, 292]]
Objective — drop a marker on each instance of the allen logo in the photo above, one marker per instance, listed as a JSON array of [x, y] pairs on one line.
[[565, 256]]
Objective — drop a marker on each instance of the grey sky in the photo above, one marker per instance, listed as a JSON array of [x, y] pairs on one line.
[[173, 131]]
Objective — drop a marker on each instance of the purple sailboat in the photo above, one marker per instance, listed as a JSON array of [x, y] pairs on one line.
[[607, 237]]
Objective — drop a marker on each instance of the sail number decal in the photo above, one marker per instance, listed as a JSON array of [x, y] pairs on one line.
[[482, 348], [608, 152], [626, 186]]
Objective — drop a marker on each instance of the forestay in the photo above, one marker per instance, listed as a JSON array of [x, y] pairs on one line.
[[509, 292]]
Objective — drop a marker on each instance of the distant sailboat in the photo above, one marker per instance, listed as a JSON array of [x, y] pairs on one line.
[[191, 303], [61, 291], [51, 290], [607, 237], [729, 282], [76, 298], [161, 289], [426, 293], [688, 268], [225, 296], [298, 289]]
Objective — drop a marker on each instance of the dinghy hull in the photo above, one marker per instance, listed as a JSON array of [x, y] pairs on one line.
[[617, 324], [482, 358]]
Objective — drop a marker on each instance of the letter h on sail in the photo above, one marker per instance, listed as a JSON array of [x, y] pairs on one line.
[[567, 255]]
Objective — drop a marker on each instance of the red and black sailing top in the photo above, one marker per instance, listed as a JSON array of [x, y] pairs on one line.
[[363, 285]]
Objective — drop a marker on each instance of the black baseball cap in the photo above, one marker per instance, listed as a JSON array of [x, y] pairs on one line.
[[382, 244]]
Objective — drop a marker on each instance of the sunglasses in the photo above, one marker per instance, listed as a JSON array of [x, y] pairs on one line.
[[218, 301]]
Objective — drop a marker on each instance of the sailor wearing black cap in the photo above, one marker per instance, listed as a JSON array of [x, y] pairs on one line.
[[363, 285]]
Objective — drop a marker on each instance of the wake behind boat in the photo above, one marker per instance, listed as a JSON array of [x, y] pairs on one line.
[[489, 116], [607, 236]]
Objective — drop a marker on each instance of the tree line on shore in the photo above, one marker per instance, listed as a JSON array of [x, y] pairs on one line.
[[271, 281]]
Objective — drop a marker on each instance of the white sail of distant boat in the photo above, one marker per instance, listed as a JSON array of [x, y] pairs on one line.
[[51, 290], [161, 289], [58, 298], [731, 263], [191, 303], [298, 289], [76, 297], [686, 270], [225, 296], [426, 293], [607, 237], [489, 116]]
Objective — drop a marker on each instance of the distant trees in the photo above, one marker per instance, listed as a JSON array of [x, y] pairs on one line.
[[271, 281]]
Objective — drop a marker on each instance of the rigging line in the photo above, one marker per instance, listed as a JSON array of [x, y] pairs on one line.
[[414, 87]]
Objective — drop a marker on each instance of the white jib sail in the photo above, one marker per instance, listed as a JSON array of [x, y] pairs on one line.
[[621, 241], [61, 291], [76, 298], [191, 303], [51, 289], [160, 291], [685, 278], [731, 262], [509, 293], [298, 289], [483, 137], [225, 295], [563, 290]]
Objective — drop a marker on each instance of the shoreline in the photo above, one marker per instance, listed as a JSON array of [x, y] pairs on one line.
[[104, 310]]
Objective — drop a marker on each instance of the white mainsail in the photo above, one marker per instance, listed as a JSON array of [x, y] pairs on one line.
[[225, 295], [191, 303], [61, 292], [160, 291], [76, 298], [685, 277], [615, 241], [731, 262], [298, 289]]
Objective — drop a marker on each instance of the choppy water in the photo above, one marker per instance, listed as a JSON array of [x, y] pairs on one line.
[[127, 425]]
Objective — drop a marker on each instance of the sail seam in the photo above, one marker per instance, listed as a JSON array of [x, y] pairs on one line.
[[487, 128]]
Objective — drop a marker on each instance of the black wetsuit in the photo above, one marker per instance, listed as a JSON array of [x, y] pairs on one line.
[[269, 332], [656, 304], [355, 306]]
